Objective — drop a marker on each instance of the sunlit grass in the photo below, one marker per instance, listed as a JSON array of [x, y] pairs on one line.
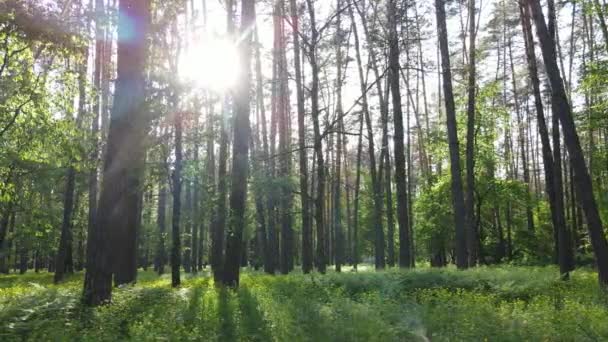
[[493, 303]]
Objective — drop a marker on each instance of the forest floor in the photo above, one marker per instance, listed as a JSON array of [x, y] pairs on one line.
[[489, 303]]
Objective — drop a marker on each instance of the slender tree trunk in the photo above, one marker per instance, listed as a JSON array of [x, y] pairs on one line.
[[285, 206], [161, 254], [307, 250], [187, 224], [196, 222], [563, 111], [6, 230], [390, 214], [209, 180], [64, 262], [457, 193], [240, 153], [522, 144], [321, 259], [472, 239], [405, 253], [564, 252], [177, 202], [376, 186], [339, 240], [261, 148], [219, 218]]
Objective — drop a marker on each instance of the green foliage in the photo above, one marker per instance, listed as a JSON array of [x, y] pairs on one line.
[[497, 303]]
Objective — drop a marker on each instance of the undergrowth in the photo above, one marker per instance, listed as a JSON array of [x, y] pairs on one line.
[[487, 303]]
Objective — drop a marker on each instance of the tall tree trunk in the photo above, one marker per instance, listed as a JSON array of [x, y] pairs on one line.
[[376, 186], [399, 149], [564, 252], [219, 215], [321, 260], [117, 213], [337, 204], [307, 250], [472, 239], [118, 204], [261, 149], [5, 237], [457, 193], [522, 143], [196, 221], [390, 214], [161, 256], [240, 152], [563, 111], [64, 262], [99, 69], [283, 116], [188, 223], [364, 107], [177, 201]]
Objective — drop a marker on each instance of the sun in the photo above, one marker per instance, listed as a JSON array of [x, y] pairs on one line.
[[211, 63]]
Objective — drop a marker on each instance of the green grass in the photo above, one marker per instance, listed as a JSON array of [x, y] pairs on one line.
[[488, 303]]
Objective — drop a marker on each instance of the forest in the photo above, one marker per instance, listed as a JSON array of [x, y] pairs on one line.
[[306, 170]]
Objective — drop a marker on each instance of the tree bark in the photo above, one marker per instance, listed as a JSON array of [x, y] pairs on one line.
[[117, 212], [240, 153], [472, 238], [307, 245], [321, 260], [337, 204], [564, 251], [563, 111], [457, 193], [399, 149], [177, 202]]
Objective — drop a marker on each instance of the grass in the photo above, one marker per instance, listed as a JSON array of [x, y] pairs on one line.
[[489, 303]]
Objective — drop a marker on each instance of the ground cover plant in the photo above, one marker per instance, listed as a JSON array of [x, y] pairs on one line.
[[488, 303]]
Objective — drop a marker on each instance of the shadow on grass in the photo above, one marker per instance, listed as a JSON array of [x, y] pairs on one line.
[[227, 328], [253, 324]]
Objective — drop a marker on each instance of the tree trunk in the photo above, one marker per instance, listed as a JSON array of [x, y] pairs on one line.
[[64, 262], [563, 111], [100, 54], [117, 212], [283, 116], [307, 249], [260, 162], [118, 201], [522, 144], [177, 201], [240, 153], [337, 204], [6, 230], [161, 256], [399, 149], [564, 252], [457, 193], [472, 240], [321, 259]]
